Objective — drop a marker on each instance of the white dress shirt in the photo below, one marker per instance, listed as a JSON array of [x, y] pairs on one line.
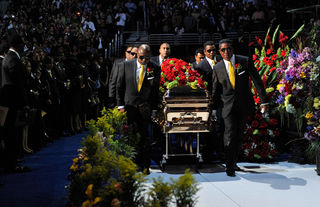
[[226, 63]]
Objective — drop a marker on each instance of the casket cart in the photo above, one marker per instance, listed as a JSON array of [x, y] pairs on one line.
[[186, 110]]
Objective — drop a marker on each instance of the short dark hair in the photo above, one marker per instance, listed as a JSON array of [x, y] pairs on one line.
[[208, 43], [225, 41], [15, 40], [4, 47], [199, 50]]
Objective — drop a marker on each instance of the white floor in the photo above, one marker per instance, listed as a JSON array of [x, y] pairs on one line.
[[259, 185]]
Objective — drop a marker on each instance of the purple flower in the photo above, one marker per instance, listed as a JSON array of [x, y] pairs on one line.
[[280, 99], [309, 127], [293, 54], [288, 78]]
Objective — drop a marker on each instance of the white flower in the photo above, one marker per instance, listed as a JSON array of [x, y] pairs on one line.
[[270, 132], [318, 59], [290, 109]]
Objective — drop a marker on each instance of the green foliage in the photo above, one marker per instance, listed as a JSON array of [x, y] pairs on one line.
[[104, 173], [313, 149], [297, 33], [185, 189], [160, 193]]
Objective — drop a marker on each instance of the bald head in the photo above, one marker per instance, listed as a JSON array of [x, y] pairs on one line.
[[144, 53]]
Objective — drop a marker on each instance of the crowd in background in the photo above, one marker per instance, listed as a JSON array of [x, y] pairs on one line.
[[200, 16]]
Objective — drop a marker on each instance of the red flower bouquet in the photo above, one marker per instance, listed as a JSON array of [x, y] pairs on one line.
[[260, 138], [176, 72]]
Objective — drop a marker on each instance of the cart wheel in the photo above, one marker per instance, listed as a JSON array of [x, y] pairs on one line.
[[199, 162]]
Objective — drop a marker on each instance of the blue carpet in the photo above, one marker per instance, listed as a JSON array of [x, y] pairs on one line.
[[45, 185]]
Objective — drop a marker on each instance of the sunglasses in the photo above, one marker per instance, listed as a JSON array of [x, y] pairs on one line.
[[226, 49], [201, 58], [209, 51], [128, 51], [133, 53], [144, 57]]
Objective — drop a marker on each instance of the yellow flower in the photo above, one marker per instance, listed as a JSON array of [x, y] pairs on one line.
[[73, 167], [75, 160], [302, 74], [309, 115], [90, 202], [287, 99], [280, 85]]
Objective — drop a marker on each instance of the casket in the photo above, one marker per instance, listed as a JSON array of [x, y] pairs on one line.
[[186, 110]]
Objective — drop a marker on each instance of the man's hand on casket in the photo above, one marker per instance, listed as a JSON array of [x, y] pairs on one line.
[[214, 115]]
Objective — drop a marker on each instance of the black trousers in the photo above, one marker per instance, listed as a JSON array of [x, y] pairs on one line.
[[139, 118], [233, 136]]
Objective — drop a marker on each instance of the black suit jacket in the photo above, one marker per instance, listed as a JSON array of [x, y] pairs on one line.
[[127, 92], [205, 70], [113, 77], [240, 97], [155, 59]]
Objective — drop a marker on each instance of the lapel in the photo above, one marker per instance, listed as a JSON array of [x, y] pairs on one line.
[[208, 65], [133, 73]]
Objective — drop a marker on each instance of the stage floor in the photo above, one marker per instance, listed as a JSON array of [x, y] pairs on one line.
[[258, 185]]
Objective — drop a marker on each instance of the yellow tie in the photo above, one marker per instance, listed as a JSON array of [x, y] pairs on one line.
[[213, 63], [232, 78], [141, 76]]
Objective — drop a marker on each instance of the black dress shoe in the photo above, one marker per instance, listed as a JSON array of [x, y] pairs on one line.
[[231, 173]]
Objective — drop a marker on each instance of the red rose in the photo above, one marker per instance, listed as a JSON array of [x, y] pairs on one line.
[[256, 151], [259, 41], [258, 116], [250, 44], [264, 154], [266, 146], [283, 53], [263, 125], [273, 122], [148, 69], [254, 124], [237, 65], [276, 133]]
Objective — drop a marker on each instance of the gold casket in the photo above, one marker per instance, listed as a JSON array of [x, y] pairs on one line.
[[186, 110]]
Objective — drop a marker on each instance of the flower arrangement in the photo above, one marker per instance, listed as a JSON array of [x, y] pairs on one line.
[[176, 72], [267, 58], [103, 176], [260, 138], [294, 86]]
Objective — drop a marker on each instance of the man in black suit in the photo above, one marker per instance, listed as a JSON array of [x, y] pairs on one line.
[[165, 51], [205, 68], [14, 76], [206, 65], [131, 52], [198, 56], [230, 89], [138, 95]]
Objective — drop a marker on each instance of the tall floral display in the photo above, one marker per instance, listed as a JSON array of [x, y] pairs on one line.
[[263, 131]]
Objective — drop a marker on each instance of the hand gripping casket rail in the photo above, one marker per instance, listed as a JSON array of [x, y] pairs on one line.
[[186, 110]]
